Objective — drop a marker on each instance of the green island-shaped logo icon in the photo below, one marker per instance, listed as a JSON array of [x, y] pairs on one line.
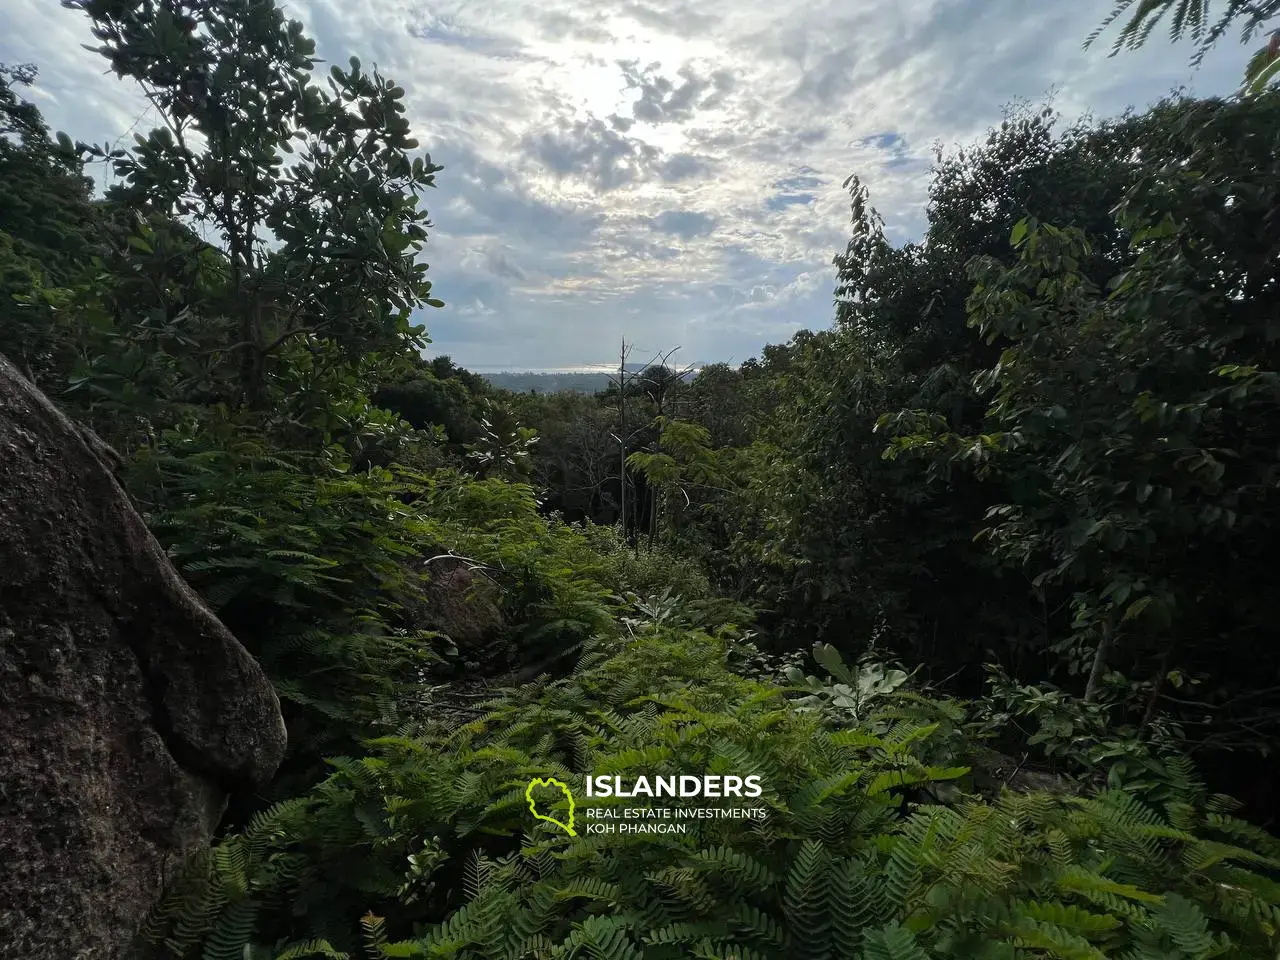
[[533, 804]]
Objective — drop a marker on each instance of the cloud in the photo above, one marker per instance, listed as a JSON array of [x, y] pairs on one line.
[[674, 18], [781, 201], [476, 308], [606, 158], [667, 170], [571, 25], [591, 150], [682, 166], [884, 141], [446, 31], [803, 180], [684, 223], [898, 153], [662, 100]]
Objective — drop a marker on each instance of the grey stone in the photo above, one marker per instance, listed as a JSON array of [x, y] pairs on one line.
[[128, 712]]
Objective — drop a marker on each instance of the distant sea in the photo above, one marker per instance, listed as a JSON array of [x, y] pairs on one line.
[[592, 379], [548, 381], [592, 368]]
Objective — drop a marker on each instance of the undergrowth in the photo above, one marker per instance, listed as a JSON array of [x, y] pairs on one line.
[[874, 844]]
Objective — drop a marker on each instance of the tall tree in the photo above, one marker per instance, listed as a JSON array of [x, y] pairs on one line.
[[46, 223], [233, 85], [882, 548]]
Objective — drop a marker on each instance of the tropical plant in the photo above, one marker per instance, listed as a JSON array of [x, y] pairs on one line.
[[850, 695], [1191, 18], [426, 847], [46, 228], [1136, 425], [303, 188]]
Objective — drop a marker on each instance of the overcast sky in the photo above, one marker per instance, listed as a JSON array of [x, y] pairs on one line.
[[665, 170]]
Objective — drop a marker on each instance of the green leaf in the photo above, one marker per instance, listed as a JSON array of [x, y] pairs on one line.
[[1135, 609], [830, 658]]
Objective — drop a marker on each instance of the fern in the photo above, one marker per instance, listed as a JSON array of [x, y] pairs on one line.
[[602, 938], [312, 948], [432, 832], [892, 942]]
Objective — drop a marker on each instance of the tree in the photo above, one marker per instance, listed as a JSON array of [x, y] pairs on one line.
[[661, 385], [425, 401], [44, 194], [574, 462], [653, 385], [232, 83], [503, 447], [1144, 419], [1191, 17], [682, 465], [46, 225], [882, 548]]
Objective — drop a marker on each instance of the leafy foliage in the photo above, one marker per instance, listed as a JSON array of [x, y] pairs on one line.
[[430, 835], [1189, 18], [1192, 18], [865, 547], [1135, 424], [46, 224], [232, 83], [306, 565]]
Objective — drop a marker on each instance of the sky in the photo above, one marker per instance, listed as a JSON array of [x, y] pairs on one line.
[[665, 171]]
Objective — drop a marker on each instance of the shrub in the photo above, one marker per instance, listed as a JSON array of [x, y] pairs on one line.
[[426, 847], [646, 568]]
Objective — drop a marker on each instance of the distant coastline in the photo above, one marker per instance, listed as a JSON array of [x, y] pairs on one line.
[[548, 381], [567, 379]]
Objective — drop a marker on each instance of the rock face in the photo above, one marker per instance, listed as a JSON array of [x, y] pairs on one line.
[[444, 594], [127, 711], [462, 605]]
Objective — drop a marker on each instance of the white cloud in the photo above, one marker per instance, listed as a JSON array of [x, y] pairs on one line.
[[476, 308], [668, 170]]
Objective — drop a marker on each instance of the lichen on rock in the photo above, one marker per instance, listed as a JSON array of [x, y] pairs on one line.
[[128, 711]]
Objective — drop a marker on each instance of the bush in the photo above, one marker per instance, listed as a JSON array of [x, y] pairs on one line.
[[646, 568], [318, 568], [426, 847]]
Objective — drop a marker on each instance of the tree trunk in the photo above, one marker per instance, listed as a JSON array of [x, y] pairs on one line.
[[1157, 688], [1099, 664], [622, 439], [252, 361]]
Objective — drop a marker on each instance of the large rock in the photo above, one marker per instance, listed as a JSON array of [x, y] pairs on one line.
[[444, 594], [127, 711], [463, 605]]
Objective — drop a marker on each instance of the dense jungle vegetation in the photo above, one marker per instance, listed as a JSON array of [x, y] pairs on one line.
[[975, 579]]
